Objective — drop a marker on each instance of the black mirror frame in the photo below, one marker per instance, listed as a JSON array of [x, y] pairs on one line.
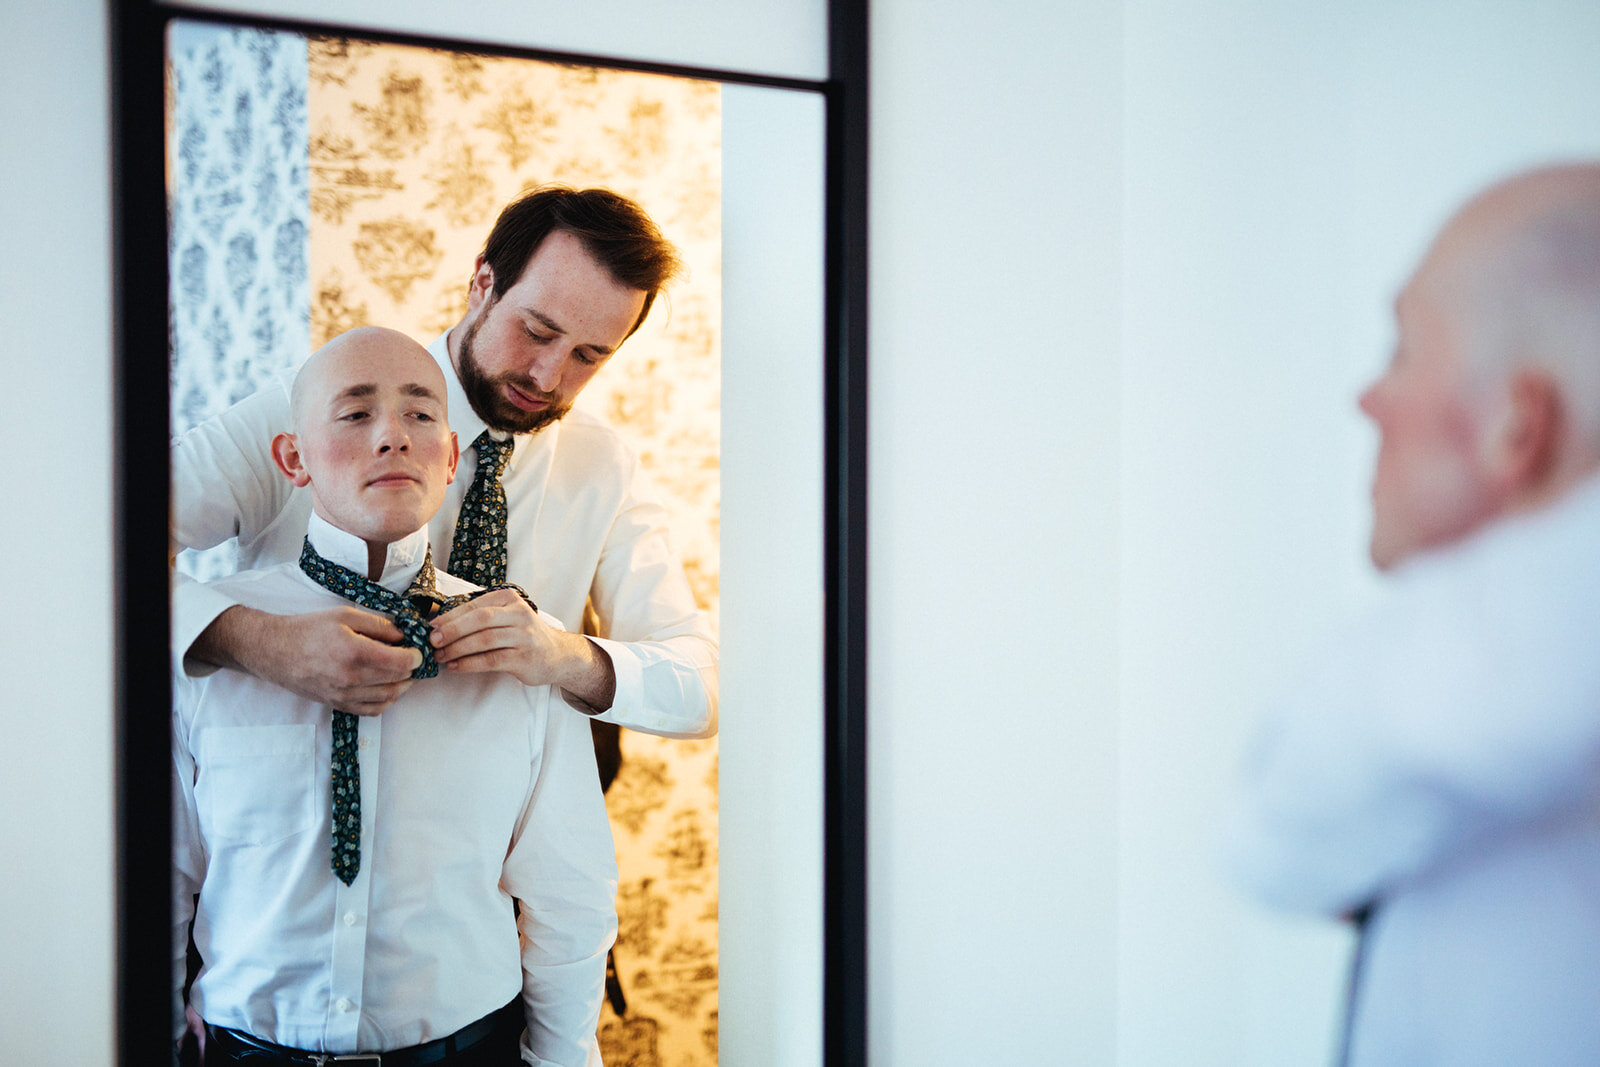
[[141, 503]]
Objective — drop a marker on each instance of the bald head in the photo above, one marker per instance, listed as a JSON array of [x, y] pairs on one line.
[[370, 437], [1491, 405], [376, 349], [1518, 270]]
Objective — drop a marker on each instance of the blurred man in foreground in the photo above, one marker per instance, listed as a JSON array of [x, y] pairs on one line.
[[1440, 763]]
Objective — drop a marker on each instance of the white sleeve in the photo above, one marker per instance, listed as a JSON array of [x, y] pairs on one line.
[[659, 641], [562, 867], [224, 485], [1461, 712], [188, 850]]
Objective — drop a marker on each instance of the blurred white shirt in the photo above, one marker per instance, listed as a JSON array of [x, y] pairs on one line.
[[1442, 759], [583, 525], [475, 790]]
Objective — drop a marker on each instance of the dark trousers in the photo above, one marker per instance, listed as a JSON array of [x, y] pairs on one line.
[[494, 1041]]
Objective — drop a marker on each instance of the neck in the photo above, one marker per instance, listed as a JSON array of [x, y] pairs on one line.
[[361, 552], [377, 556]]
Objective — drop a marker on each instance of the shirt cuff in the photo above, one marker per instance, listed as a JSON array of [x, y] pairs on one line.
[[195, 605]]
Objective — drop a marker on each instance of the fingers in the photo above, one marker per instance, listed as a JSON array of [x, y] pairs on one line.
[[501, 608], [495, 659], [377, 627], [346, 659], [372, 700], [361, 661], [483, 640]]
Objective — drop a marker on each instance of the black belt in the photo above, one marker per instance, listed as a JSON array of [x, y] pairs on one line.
[[248, 1048]]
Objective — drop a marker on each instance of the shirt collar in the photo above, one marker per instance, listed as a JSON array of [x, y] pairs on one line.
[[347, 550]]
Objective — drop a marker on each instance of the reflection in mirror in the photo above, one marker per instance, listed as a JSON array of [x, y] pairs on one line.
[[319, 184]]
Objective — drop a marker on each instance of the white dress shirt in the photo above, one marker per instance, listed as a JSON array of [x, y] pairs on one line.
[[583, 524], [475, 790], [1443, 760]]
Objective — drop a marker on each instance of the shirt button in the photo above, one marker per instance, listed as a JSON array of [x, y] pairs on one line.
[[344, 1004], [349, 918], [364, 742]]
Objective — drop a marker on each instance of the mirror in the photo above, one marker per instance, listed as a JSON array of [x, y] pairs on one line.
[[404, 155]]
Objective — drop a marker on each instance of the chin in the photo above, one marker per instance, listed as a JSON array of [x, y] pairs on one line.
[[395, 527], [512, 419]]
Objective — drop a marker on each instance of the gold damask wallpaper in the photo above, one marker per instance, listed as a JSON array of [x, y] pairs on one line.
[[412, 154]]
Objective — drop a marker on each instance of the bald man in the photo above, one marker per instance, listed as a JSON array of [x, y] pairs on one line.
[[1440, 764], [356, 875]]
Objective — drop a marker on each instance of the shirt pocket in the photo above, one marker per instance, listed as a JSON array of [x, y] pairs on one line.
[[256, 784]]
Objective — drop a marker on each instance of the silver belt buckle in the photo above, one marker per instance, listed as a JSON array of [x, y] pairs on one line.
[[366, 1059]]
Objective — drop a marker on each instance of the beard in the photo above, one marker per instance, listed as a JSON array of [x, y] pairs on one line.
[[486, 393]]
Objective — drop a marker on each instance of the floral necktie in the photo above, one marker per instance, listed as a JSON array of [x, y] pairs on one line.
[[411, 612], [478, 552]]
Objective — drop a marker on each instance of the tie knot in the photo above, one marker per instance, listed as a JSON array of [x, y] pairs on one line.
[[407, 615], [493, 454]]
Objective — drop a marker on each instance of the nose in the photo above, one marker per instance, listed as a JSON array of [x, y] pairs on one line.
[[545, 371], [393, 435], [1368, 401]]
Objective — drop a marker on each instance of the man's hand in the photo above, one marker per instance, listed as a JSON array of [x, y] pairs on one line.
[[500, 632], [345, 658]]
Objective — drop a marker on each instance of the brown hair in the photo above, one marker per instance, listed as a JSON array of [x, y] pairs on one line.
[[613, 229]]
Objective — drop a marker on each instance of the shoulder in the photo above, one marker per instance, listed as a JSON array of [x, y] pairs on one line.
[[585, 437], [264, 411]]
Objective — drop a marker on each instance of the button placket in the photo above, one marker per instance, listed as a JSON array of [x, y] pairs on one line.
[[352, 904]]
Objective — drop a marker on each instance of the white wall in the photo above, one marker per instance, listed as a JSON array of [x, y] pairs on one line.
[[769, 990], [1285, 165], [993, 473], [1097, 544], [56, 903], [783, 37]]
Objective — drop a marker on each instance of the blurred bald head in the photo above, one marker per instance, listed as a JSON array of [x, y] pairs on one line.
[[1521, 264], [1491, 405]]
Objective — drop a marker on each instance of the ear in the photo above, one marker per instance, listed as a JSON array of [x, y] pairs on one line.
[[1525, 447], [286, 454], [481, 288], [455, 458]]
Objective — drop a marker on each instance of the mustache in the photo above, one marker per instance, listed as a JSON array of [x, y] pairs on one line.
[[528, 389]]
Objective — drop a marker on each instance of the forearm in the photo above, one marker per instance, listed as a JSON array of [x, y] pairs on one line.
[[345, 658], [586, 675], [236, 639]]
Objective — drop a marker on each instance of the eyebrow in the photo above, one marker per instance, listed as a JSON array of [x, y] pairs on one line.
[[368, 389], [418, 389], [551, 324]]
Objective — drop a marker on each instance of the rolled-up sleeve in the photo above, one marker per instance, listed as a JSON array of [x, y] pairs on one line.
[[224, 485], [660, 642]]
